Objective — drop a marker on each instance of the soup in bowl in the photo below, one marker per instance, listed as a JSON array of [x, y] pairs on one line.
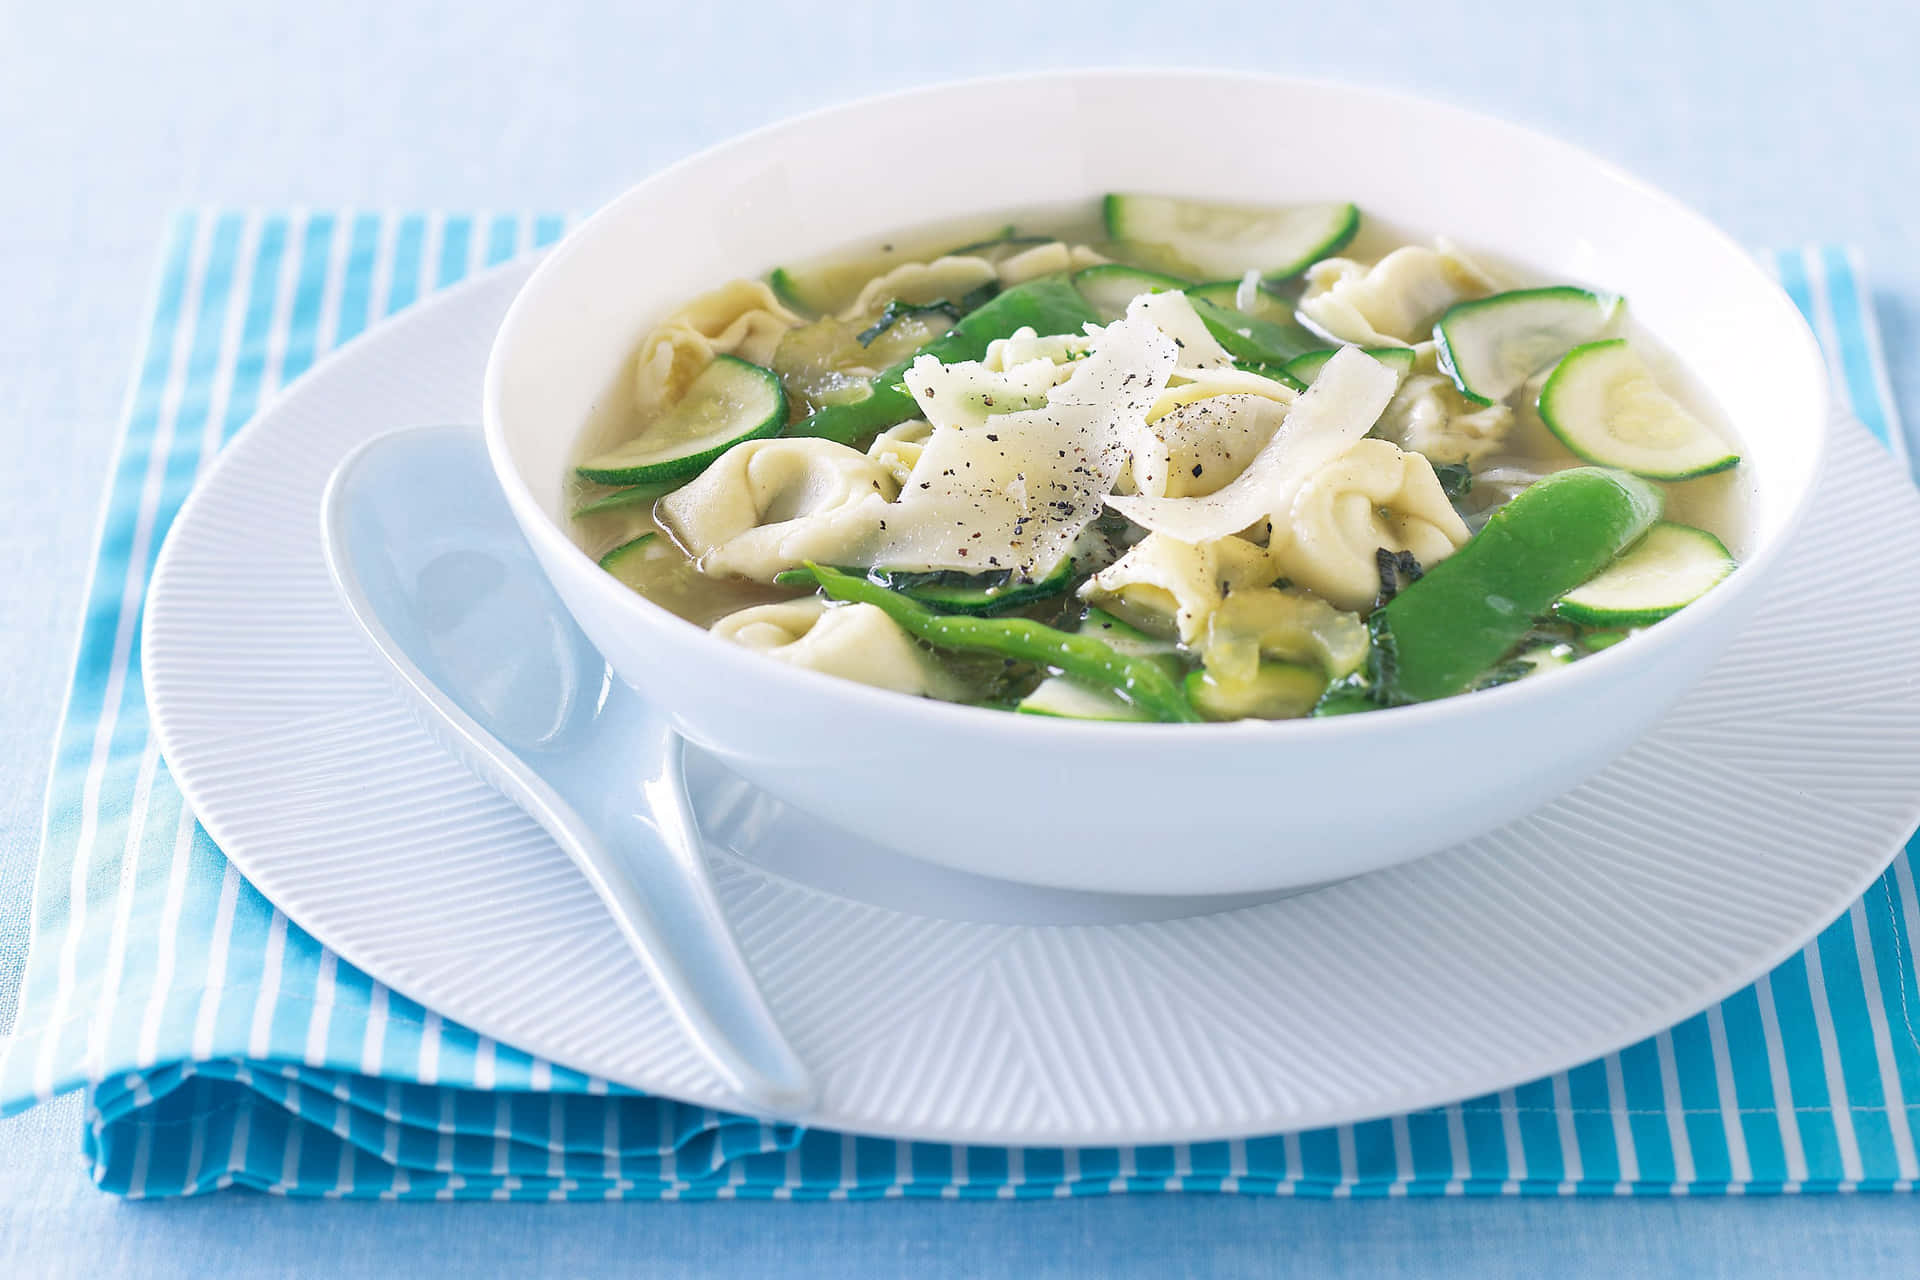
[[1159, 520]]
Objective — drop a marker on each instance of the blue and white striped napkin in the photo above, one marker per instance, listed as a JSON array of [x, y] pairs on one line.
[[221, 1045]]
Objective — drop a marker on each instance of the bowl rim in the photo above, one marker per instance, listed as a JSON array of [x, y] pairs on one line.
[[1671, 632]]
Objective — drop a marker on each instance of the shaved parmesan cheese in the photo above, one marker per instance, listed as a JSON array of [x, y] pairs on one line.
[[968, 393], [1337, 410], [1023, 344], [1174, 316], [1014, 491]]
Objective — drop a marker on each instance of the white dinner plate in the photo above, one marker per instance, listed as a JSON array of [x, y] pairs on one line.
[[944, 1007]]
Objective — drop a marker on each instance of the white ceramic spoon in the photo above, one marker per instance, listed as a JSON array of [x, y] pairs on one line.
[[423, 550]]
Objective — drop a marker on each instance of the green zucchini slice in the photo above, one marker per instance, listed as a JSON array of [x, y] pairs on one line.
[[1491, 346], [1276, 691], [1670, 568], [799, 292], [951, 591], [1603, 404], [638, 495], [729, 402], [624, 560], [1304, 369], [1065, 698], [1226, 240], [1109, 287], [1263, 305]]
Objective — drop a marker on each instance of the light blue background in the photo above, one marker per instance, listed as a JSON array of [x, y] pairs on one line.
[[1783, 121]]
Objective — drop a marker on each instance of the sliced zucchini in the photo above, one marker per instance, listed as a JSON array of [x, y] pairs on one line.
[[729, 402], [1670, 568], [1221, 293], [1226, 240], [1234, 295], [983, 593], [1595, 641], [638, 495], [1065, 697], [1070, 699], [830, 361], [799, 292], [1275, 691], [1109, 287], [1304, 369], [624, 560], [1249, 338], [1491, 346], [1603, 404], [941, 312]]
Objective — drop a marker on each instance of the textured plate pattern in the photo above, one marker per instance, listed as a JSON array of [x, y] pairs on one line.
[[1756, 813]]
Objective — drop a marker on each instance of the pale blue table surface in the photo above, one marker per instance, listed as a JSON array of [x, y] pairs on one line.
[[1784, 121]]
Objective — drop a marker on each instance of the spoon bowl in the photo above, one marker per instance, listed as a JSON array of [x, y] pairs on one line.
[[426, 555]]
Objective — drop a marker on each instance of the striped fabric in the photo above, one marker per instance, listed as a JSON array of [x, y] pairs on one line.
[[219, 1044]]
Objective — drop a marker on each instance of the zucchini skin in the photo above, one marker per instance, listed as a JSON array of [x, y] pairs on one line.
[[612, 559], [671, 469], [1445, 340], [1552, 415], [1047, 305], [1704, 546], [967, 593]]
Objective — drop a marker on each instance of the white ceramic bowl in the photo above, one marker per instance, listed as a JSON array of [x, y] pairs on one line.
[[1146, 808]]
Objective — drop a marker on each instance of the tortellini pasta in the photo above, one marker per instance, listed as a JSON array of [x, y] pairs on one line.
[[918, 283], [1394, 302], [1179, 584], [1374, 496], [742, 319], [1204, 446], [855, 642], [1046, 259], [1430, 417], [767, 505], [898, 448]]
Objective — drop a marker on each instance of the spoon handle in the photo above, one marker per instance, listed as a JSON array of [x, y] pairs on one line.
[[657, 888], [427, 559]]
